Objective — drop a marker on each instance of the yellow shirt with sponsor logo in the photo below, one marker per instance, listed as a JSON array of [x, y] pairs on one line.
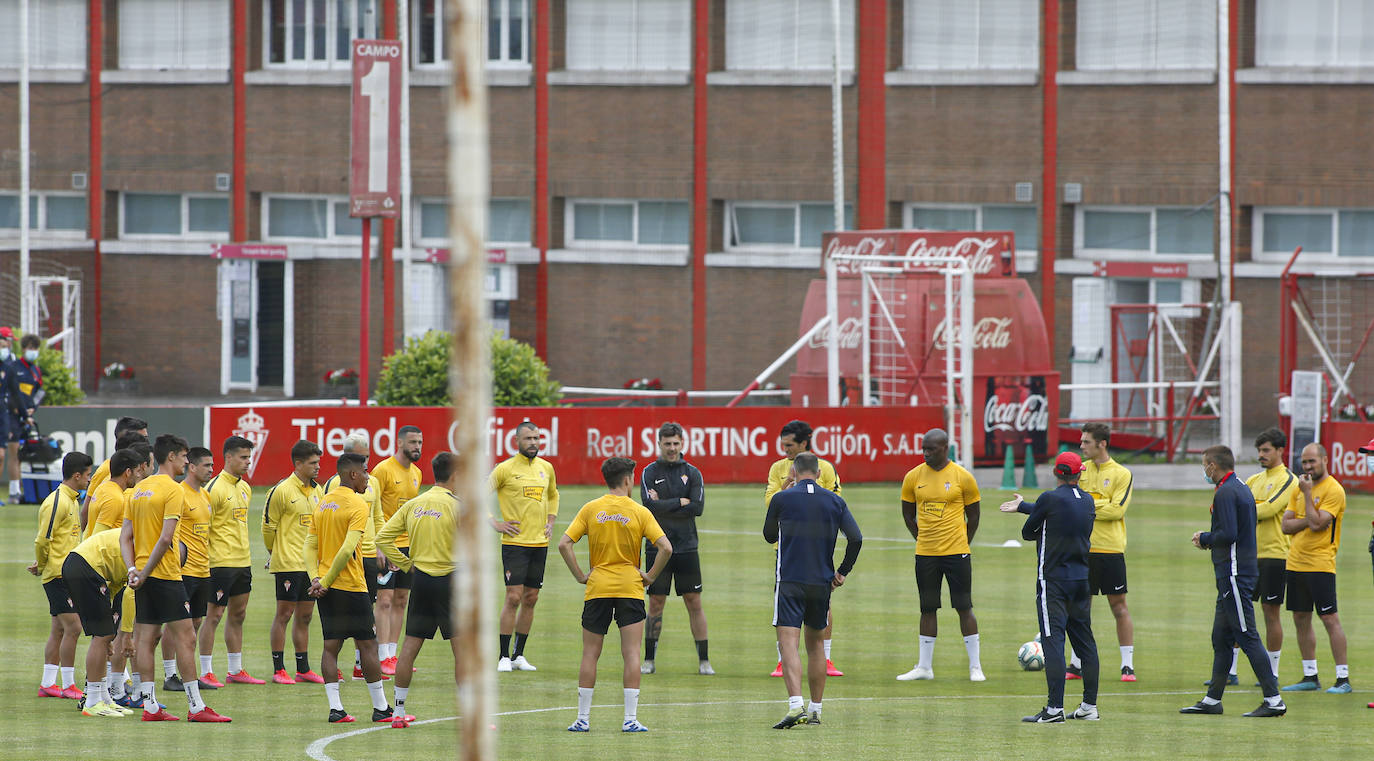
[[101, 474], [615, 527], [368, 546], [340, 511], [59, 530], [229, 500], [291, 505], [940, 497], [1110, 487], [155, 500], [193, 530], [101, 551], [430, 519], [1316, 550], [396, 483], [107, 508], [1273, 490], [526, 491], [778, 472]]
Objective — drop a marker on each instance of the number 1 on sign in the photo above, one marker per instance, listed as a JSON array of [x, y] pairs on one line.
[[376, 87]]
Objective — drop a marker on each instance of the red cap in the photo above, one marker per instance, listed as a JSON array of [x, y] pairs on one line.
[[1069, 460], [6, 332], [1366, 449]]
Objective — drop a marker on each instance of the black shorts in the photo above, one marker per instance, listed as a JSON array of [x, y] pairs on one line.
[[1307, 589], [598, 612], [117, 606], [1107, 573], [90, 595], [59, 599], [684, 567], [1272, 580], [345, 615], [956, 570], [160, 601], [397, 579], [229, 582], [292, 586], [197, 593], [371, 570], [429, 608], [524, 566], [795, 604]]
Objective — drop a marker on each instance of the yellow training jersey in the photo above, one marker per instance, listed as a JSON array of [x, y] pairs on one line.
[[368, 547], [396, 483], [59, 530], [1316, 550], [156, 499], [778, 471], [229, 497], [430, 519], [526, 491], [106, 510], [1273, 490], [291, 505], [101, 474], [101, 551], [340, 513], [193, 530], [1110, 487], [615, 527], [940, 497]]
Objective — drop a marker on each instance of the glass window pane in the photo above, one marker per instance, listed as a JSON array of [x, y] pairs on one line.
[[818, 219], [434, 220], [9, 211], [152, 214], [1021, 220], [508, 220], [1285, 231], [663, 35], [207, 215], [765, 225], [1008, 34], [603, 221], [495, 20], [297, 218], [1119, 230], [352, 227], [1168, 291], [515, 30], [1357, 233], [943, 219], [1115, 35], [66, 213], [664, 223], [600, 35], [1183, 231]]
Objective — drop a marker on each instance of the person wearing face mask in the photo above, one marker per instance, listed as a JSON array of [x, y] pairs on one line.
[[26, 393], [6, 373]]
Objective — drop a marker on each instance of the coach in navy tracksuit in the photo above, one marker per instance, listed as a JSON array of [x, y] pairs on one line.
[[1232, 542], [1061, 524]]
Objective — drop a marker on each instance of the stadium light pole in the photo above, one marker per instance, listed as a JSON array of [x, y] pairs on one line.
[[470, 376]]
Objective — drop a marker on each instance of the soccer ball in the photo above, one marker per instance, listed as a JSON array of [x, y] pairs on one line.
[[1031, 656]]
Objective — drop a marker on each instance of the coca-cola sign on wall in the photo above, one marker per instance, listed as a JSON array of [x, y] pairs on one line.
[[988, 333], [988, 253]]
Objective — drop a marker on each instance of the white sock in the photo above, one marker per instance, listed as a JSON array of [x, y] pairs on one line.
[[631, 704], [68, 676], [331, 691], [391, 649], [584, 703], [1235, 658], [95, 693], [1128, 656], [207, 664], [1209, 701], [377, 693], [401, 693], [827, 648], [235, 663], [1075, 663], [193, 696], [1274, 660], [137, 682], [357, 659], [169, 668], [149, 697], [927, 652], [1309, 668], [812, 707], [971, 645], [794, 703], [1274, 701], [1088, 706], [1053, 710], [1342, 671], [115, 687], [779, 648], [49, 675], [109, 670], [14, 488]]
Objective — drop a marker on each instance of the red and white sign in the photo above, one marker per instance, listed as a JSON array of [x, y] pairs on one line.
[[374, 172], [248, 251], [735, 445], [1343, 441], [441, 255], [1175, 270], [989, 253]]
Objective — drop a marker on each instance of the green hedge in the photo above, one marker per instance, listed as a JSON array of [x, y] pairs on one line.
[[417, 375]]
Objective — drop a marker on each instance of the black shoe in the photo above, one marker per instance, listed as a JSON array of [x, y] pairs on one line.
[[339, 717], [381, 716], [173, 684], [1265, 710], [204, 685], [792, 719], [1044, 717], [1202, 708]]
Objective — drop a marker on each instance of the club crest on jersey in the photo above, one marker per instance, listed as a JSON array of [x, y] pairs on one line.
[[947, 485], [1106, 482], [684, 479], [104, 589], [286, 585], [251, 426]]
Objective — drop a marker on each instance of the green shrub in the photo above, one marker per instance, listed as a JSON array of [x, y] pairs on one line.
[[417, 375], [519, 378]]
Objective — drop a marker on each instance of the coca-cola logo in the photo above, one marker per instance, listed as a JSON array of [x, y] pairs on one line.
[[988, 333], [851, 335], [982, 252], [1033, 415]]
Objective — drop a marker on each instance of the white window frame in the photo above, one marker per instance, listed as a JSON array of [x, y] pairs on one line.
[[851, 41], [775, 248], [41, 228], [177, 8], [1153, 254], [330, 36], [37, 16], [907, 44], [1311, 257], [1155, 66], [1261, 26], [423, 242], [1027, 257], [186, 231], [571, 241], [331, 202], [636, 64], [502, 61]]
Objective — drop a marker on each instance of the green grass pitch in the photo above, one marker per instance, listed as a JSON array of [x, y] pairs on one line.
[[729, 716]]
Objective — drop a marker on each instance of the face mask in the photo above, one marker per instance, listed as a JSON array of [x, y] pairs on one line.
[[1207, 477], [31, 355], [5, 353]]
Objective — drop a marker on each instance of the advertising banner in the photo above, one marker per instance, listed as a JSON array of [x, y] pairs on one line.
[[989, 253], [90, 428], [1343, 441], [728, 445]]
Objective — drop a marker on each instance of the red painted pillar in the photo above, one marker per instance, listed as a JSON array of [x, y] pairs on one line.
[[384, 250], [541, 174], [871, 211], [95, 187], [238, 193], [1049, 181], [701, 63]]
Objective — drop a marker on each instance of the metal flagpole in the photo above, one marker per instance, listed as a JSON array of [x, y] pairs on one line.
[[26, 321], [832, 347], [407, 210]]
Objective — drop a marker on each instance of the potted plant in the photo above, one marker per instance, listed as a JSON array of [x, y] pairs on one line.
[[118, 378], [339, 383]]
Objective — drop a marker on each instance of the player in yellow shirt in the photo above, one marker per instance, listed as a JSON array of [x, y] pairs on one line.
[[398, 479], [193, 551], [94, 572], [107, 500], [430, 521], [1109, 483], [615, 526], [941, 506], [59, 530], [373, 560], [527, 493], [286, 520], [336, 580], [1313, 520], [793, 439], [231, 563], [146, 542], [122, 441]]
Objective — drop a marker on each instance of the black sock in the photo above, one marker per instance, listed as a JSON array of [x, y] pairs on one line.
[[278, 660], [302, 662], [702, 650], [520, 640], [650, 648], [505, 645]]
